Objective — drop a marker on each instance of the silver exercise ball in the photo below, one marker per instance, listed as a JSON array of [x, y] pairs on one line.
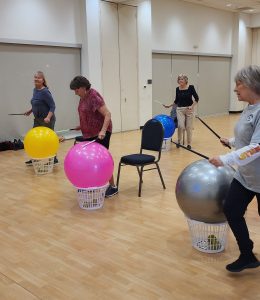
[[201, 189]]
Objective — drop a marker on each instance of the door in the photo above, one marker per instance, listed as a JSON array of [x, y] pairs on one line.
[[188, 65], [214, 85], [120, 64], [166, 68], [110, 61], [162, 83], [128, 67], [19, 63], [209, 75]]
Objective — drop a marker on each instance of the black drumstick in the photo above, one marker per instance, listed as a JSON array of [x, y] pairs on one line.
[[218, 136], [179, 145], [16, 114]]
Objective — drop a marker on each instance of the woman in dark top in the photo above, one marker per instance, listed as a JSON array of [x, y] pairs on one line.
[[185, 100], [43, 105], [95, 119]]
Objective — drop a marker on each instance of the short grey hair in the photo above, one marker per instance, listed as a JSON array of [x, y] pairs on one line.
[[182, 76], [250, 77]]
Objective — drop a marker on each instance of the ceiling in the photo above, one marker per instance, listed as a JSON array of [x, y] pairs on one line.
[[245, 6]]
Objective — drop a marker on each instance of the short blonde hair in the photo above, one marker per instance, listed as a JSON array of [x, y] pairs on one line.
[[182, 76]]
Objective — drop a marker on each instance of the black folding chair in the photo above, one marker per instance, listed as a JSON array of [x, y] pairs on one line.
[[152, 140]]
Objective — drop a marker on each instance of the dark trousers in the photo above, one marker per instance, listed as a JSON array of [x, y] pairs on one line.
[[235, 206], [105, 142], [40, 122]]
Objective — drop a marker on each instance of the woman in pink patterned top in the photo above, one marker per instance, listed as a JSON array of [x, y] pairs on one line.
[[95, 118]]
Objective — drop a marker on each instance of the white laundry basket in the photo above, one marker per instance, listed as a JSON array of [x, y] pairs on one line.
[[43, 166], [208, 237], [91, 198], [166, 146]]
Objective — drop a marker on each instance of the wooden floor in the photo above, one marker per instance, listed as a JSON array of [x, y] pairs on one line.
[[132, 248]]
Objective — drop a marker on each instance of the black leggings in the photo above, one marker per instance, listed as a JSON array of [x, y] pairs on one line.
[[237, 201]]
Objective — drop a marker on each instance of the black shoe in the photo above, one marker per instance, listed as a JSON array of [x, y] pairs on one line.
[[178, 145], [56, 160], [111, 191], [29, 162], [243, 262], [189, 147], [18, 145]]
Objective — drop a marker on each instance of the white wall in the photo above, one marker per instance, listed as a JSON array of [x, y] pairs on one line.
[[163, 25], [144, 23], [41, 22], [255, 20], [76, 23], [56, 21], [91, 47], [245, 40], [242, 53], [144, 52], [185, 27], [256, 47], [179, 26]]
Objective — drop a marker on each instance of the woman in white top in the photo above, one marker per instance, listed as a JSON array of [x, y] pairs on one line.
[[246, 183]]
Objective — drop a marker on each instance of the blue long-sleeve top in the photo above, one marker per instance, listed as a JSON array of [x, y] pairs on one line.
[[42, 103]]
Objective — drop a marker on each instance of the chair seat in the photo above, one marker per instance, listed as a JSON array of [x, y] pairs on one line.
[[137, 159]]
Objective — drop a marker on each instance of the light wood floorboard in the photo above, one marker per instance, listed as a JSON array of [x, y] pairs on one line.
[[132, 248]]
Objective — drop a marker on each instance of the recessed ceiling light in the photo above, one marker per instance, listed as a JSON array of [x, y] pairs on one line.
[[229, 4]]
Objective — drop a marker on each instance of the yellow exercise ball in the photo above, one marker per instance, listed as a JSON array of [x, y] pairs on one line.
[[41, 142]]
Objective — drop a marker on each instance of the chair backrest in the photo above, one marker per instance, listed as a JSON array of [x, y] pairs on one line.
[[152, 135]]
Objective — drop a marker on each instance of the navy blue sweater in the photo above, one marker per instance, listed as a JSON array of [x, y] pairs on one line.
[[42, 102]]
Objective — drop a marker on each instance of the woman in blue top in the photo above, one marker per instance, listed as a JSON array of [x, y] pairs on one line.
[[185, 100], [246, 183], [43, 105]]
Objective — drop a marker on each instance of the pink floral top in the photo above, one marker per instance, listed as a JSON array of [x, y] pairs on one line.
[[91, 120]]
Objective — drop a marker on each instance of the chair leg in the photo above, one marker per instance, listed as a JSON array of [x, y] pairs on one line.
[[160, 174], [118, 174], [140, 181], [137, 168], [139, 173]]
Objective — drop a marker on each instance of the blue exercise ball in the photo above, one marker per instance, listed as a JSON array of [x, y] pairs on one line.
[[168, 125], [201, 189]]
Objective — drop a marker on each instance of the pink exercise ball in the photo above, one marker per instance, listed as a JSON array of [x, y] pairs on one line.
[[88, 164]]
